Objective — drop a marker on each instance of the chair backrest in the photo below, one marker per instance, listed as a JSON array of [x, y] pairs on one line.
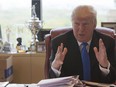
[[58, 31]]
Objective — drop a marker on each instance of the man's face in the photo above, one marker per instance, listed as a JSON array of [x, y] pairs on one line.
[[83, 28]]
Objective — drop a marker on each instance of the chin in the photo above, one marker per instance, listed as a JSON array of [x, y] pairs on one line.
[[82, 40]]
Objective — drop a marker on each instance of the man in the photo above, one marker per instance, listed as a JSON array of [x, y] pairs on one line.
[[67, 59]]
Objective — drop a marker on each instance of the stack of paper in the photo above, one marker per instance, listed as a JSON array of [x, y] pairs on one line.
[[58, 82], [4, 84]]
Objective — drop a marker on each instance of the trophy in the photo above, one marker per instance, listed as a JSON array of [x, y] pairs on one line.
[[34, 25]]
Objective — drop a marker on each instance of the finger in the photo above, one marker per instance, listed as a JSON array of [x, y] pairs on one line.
[[64, 53], [59, 49], [101, 44], [96, 51], [102, 48], [61, 46]]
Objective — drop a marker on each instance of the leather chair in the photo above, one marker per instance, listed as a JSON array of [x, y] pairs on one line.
[[58, 31]]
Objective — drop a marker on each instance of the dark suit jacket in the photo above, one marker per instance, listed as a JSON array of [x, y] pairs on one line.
[[73, 63]]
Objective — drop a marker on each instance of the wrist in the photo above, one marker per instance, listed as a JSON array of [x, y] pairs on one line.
[[56, 64], [106, 67], [105, 64]]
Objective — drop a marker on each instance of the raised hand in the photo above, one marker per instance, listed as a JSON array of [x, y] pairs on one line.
[[59, 57], [101, 54]]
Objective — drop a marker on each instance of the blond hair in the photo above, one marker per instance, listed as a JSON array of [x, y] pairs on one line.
[[84, 10]]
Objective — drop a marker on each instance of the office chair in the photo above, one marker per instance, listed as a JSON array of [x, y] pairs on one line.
[[58, 31]]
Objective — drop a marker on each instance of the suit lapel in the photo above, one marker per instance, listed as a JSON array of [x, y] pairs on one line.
[[70, 64]]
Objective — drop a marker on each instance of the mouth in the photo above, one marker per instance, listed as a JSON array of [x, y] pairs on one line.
[[82, 35]]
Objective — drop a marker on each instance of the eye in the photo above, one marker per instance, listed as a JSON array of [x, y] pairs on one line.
[[76, 23], [86, 24]]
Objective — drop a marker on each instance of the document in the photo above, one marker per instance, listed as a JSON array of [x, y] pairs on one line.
[[59, 82], [21, 85], [4, 84]]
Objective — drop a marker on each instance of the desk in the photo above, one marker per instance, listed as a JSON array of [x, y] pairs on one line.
[[34, 85], [28, 85], [21, 85]]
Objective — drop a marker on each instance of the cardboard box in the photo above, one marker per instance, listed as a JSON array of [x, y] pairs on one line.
[[6, 68]]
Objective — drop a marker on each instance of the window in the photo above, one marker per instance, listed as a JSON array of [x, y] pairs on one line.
[[56, 13], [14, 16]]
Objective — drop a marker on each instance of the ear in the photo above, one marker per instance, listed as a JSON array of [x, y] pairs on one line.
[[95, 23]]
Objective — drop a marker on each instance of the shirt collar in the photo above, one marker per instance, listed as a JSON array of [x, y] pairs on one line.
[[79, 43]]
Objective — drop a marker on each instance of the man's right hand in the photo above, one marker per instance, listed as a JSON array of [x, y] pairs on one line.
[[59, 57]]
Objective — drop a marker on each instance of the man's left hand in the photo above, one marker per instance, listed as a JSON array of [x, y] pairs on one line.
[[101, 54]]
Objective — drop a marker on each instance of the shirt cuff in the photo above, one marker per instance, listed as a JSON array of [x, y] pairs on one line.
[[104, 70], [57, 72]]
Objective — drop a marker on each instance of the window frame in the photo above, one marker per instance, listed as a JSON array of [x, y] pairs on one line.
[[38, 8]]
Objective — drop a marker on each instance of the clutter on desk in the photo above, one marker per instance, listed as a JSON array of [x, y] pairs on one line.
[[68, 81], [4, 84]]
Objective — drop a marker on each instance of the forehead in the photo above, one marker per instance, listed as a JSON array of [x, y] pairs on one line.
[[83, 15], [83, 19]]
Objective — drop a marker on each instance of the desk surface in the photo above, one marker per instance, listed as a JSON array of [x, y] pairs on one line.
[[22, 85], [35, 85], [28, 85]]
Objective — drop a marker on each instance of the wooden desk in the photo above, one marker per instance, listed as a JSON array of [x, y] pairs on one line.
[[22, 85], [28, 68]]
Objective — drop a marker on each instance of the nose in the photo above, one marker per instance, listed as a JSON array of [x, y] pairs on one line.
[[81, 28]]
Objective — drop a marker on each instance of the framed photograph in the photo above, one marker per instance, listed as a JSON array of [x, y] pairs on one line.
[[41, 47], [111, 25]]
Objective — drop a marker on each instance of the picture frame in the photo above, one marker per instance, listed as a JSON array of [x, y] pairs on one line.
[[111, 25], [41, 46]]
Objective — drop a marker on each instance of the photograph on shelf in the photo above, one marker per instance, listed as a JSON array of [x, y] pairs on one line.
[[111, 25]]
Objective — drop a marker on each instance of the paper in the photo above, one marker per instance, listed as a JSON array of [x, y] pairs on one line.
[[3, 84], [58, 82], [22, 85]]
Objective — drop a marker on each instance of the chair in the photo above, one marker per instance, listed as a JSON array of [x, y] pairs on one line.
[[58, 31]]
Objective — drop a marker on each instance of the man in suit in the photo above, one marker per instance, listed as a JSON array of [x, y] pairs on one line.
[[66, 58]]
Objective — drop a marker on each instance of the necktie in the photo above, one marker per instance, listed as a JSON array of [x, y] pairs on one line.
[[86, 62]]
